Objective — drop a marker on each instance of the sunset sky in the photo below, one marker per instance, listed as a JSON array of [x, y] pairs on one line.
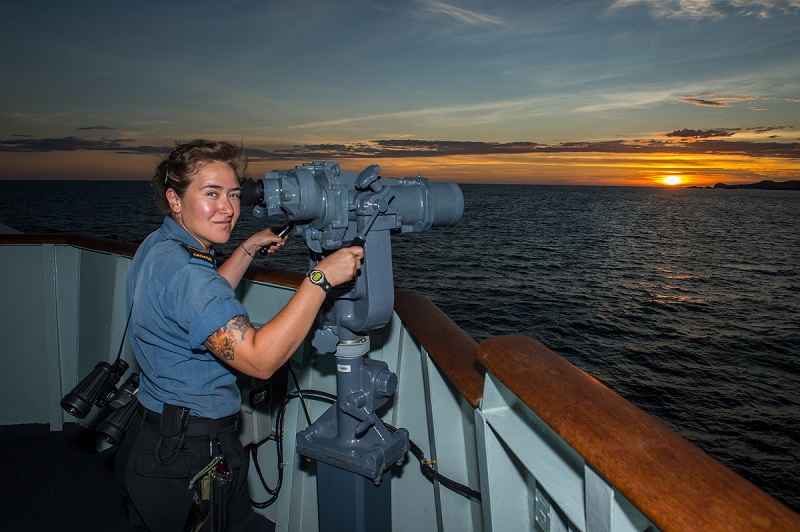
[[620, 92]]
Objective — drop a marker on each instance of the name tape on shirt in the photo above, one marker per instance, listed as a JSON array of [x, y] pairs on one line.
[[196, 253]]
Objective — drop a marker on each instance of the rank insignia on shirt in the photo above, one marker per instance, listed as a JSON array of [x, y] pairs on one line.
[[196, 253]]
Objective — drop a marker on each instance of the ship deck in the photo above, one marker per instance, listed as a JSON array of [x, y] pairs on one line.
[[57, 481]]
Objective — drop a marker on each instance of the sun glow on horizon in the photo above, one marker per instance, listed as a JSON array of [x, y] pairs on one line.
[[594, 168], [672, 180]]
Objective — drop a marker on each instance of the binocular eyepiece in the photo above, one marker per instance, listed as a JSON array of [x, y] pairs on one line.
[[124, 405], [99, 388], [95, 389]]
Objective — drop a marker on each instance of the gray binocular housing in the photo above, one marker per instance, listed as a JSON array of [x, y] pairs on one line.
[[331, 207]]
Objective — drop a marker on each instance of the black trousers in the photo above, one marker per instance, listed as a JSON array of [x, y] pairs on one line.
[[158, 496]]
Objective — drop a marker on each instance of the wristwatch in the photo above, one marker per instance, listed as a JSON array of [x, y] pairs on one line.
[[318, 278]]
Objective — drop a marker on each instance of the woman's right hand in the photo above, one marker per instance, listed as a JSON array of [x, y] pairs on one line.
[[342, 265]]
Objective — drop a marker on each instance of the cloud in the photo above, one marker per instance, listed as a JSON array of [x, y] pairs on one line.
[[98, 128], [471, 18], [473, 113], [683, 141], [458, 115], [727, 132], [396, 148], [699, 134], [704, 103], [718, 100], [72, 143], [767, 129], [713, 9]]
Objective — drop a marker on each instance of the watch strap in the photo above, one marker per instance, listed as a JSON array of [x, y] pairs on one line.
[[317, 277]]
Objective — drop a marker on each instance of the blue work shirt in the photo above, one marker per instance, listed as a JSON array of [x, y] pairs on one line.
[[178, 300]]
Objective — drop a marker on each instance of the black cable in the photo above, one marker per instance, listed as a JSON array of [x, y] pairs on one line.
[[297, 387], [271, 491], [253, 450], [426, 466], [280, 418]]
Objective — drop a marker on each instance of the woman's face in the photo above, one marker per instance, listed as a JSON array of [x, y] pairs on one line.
[[210, 207]]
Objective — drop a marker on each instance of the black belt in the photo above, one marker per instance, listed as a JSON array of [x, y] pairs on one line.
[[198, 426]]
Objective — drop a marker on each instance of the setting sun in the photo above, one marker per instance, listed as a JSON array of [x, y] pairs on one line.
[[671, 180]]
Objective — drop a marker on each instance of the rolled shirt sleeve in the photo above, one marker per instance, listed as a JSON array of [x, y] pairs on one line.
[[207, 302]]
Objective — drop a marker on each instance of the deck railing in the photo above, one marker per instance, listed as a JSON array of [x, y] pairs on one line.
[[549, 447]]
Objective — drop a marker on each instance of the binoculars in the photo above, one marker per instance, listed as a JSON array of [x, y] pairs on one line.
[[329, 206], [99, 388], [333, 208]]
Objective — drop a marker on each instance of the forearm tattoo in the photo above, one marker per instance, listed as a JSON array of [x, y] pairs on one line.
[[224, 339]]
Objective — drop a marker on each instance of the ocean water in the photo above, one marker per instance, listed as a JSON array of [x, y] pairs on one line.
[[684, 301]]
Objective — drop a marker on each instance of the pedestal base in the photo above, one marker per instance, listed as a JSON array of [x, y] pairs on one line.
[[349, 502]]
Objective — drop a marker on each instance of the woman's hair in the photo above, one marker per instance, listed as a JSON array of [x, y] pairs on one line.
[[176, 170]]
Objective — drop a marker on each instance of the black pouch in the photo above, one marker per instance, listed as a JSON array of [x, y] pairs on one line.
[[174, 420], [212, 492], [221, 495], [200, 509]]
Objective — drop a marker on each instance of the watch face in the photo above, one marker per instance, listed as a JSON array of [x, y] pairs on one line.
[[317, 277]]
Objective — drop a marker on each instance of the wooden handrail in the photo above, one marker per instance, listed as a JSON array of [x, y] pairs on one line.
[[95, 243], [451, 348], [287, 278], [675, 484], [109, 245]]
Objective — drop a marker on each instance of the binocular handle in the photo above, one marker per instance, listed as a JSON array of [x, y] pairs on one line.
[[357, 241], [282, 232]]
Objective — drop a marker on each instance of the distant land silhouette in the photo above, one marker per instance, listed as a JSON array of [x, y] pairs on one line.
[[767, 184]]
